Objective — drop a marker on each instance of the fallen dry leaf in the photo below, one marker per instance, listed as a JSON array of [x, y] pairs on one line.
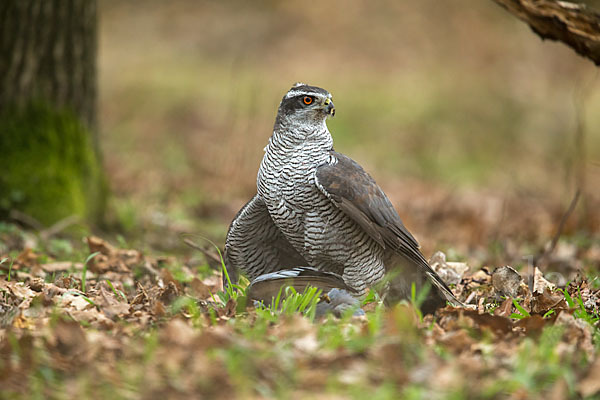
[[505, 309], [533, 324], [545, 301], [590, 384], [111, 258], [26, 259], [540, 284], [178, 332], [58, 266], [450, 272], [577, 333], [74, 300], [110, 305], [200, 290], [506, 281]]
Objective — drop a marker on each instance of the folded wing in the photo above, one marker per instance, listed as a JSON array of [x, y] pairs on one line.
[[357, 194], [255, 245]]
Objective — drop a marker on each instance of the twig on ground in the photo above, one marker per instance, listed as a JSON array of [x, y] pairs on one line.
[[213, 260], [58, 227], [25, 219], [561, 226]]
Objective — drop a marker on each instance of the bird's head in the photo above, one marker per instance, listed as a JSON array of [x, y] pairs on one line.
[[305, 106]]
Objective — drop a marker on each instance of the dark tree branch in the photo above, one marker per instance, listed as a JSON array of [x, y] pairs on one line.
[[573, 24]]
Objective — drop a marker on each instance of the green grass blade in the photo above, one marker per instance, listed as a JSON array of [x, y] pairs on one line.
[[524, 313], [84, 272], [117, 293]]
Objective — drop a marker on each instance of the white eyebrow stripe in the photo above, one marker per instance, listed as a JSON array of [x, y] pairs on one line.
[[294, 93]]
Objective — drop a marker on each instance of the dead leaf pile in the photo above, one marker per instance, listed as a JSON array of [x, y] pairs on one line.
[[148, 326]]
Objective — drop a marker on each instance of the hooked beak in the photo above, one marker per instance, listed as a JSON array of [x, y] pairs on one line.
[[329, 107]]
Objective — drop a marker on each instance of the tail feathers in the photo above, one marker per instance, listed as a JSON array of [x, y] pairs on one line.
[[404, 272], [267, 286], [444, 290]]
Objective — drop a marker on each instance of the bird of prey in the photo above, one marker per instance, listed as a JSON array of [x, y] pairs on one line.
[[318, 208]]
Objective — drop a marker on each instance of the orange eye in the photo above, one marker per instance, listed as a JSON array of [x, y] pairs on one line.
[[307, 100]]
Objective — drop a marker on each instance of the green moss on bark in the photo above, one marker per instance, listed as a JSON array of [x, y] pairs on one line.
[[48, 166]]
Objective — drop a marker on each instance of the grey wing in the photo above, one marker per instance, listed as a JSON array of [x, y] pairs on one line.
[[255, 245], [357, 194]]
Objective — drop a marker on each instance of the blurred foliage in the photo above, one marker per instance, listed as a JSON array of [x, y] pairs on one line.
[[456, 92], [138, 326], [435, 99]]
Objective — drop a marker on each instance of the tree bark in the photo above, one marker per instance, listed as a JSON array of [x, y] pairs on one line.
[[50, 165], [573, 24], [48, 53]]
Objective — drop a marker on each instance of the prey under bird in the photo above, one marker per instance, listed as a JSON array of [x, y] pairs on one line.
[[318, 208]]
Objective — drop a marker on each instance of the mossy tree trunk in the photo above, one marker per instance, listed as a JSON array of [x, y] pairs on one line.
[[49, 155]]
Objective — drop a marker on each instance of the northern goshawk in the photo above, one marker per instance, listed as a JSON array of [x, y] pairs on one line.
[[316, 207]]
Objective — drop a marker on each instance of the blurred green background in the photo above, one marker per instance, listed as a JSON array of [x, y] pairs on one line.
[[452, 96]]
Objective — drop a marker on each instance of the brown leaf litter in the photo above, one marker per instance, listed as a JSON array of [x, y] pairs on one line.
[[124, 329]]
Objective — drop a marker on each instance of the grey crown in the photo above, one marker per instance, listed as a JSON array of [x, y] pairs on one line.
[[316, 207]]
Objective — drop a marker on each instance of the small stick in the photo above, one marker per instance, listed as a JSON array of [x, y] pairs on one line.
[[25, 219], [561, 226], [59, 226], [213, 261]]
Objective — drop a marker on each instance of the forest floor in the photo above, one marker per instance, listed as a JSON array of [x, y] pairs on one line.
[[83, 318]]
